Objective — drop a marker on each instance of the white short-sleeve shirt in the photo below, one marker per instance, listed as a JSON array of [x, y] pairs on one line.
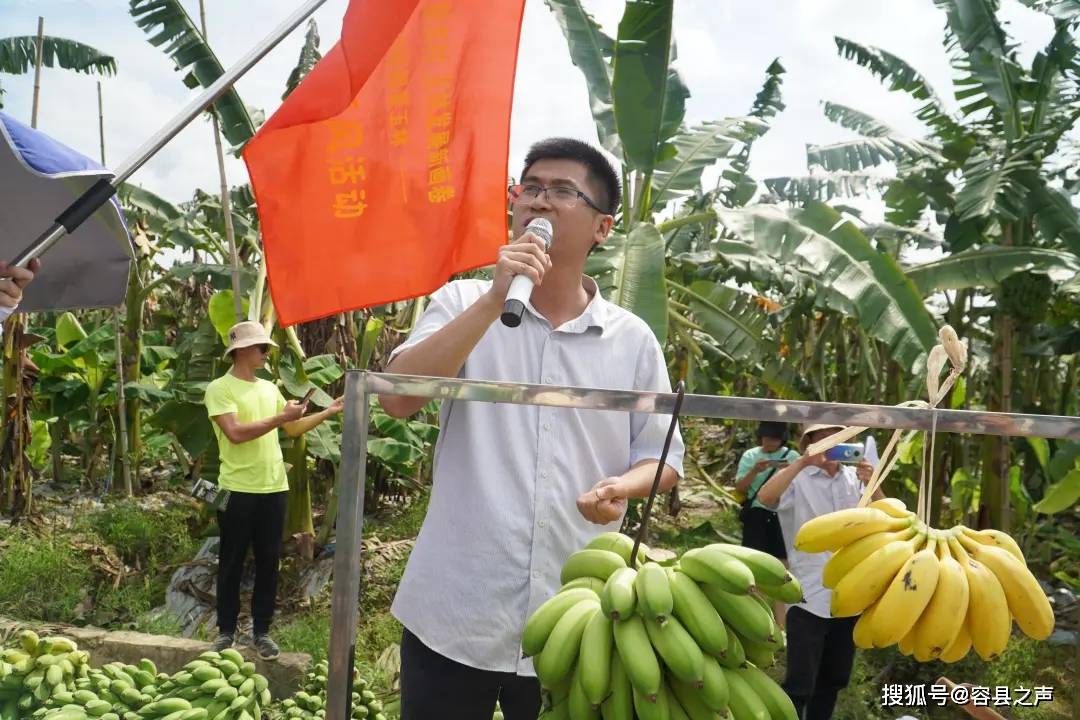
[[502, 517], [814, 492]]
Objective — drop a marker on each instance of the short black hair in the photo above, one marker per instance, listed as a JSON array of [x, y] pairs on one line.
[[599, 168], [776, 430]]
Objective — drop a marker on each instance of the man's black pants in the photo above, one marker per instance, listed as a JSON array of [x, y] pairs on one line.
[[820, 652], [255, 520], [433, 686]]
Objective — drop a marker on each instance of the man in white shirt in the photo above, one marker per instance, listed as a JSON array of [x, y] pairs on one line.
[[12, 282], [518, 488], [820, 649]]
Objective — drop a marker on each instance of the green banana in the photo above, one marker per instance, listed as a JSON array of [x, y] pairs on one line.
[[714, 687], [636, 652], [774, 698], [743, 700], [543, 621], [619, 704], [680, 653], [652, 709], [594, 659], [591, 563], [653, 592], [618, 599], [697, 614], [589, 583], [765, 568], [579, 706], [743, 613], [736, 654], [691, 700], [561, 649], [617, 543], [712, 566], [790, 593]]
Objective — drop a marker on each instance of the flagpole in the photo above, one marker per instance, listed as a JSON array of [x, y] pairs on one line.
[[100, 192]]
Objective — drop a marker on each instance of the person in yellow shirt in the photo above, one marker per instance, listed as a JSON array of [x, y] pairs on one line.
[[247, 411]]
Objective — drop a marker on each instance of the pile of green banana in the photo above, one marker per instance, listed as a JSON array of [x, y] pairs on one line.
[[310, 702], [936, 594], [35, 670], [683, 640], [215, 686]]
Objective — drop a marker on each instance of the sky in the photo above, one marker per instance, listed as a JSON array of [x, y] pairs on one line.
[[724, 47]]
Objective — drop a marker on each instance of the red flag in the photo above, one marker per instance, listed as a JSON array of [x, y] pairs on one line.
[[385, 171]]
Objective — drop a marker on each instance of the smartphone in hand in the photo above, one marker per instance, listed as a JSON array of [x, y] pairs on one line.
[[307, 396], [845, 453]]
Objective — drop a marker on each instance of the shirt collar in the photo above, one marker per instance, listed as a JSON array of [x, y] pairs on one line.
[[595, 314]]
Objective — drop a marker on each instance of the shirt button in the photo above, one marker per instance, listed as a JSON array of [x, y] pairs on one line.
[[548, 379], [542, 524], [536, 574], [543, 473], [547, 426]]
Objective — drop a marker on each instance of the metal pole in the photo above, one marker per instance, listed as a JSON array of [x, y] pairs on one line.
[[101, 122], [737, 408], [352, 480], [99, 193], [39, 50], [226, 204]]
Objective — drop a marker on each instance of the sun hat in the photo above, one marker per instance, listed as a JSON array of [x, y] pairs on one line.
[[245, 334]]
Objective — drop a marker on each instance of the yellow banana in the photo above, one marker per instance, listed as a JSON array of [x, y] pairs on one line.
[[618, 599], [594, 659], [680, 653], [862, 587], [743, 613], [836, 529], [988, 622], [942, 619], [619, 703], [1027, 602], [562, 646], [697, 614], [862, 634], [846, 558], [892, 506], [960, 646], [636, 652], [540, 624], [996, 538], [906, 597], [712, 566], [591, 563], [653, 592], [906, 646]]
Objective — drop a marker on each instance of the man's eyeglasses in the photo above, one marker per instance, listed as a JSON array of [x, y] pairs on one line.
[[561, 195]]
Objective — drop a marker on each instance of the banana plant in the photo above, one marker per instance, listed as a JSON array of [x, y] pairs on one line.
[[18, 54], [985, 175]]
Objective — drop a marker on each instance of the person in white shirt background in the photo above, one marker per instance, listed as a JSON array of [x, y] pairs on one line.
[[12, 282], [820, 649], [518, 488]]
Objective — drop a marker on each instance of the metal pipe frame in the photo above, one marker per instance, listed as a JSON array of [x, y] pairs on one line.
[[352, 479]]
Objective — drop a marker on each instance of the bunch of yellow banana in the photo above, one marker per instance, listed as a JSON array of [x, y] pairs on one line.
[[674, 641], [35, 670], [936, 593]]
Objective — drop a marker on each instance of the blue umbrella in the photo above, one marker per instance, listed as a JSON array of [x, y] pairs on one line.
[[39, 178]]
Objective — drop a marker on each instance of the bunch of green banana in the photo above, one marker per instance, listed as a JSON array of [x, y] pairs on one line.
[[310, 702], [680, 640], [937, 594], [36, 672]]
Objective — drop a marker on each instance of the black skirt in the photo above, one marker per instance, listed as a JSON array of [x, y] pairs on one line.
[[761, 531]]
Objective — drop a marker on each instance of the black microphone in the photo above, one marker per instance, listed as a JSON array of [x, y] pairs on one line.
[[521, 286]]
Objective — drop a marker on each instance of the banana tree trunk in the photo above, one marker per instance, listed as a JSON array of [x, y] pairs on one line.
[[298, 513], [132, 349]]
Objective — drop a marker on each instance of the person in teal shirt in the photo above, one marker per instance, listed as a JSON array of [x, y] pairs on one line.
[[761, 528]]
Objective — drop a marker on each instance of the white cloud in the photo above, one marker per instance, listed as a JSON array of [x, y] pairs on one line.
[[724, 49]]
